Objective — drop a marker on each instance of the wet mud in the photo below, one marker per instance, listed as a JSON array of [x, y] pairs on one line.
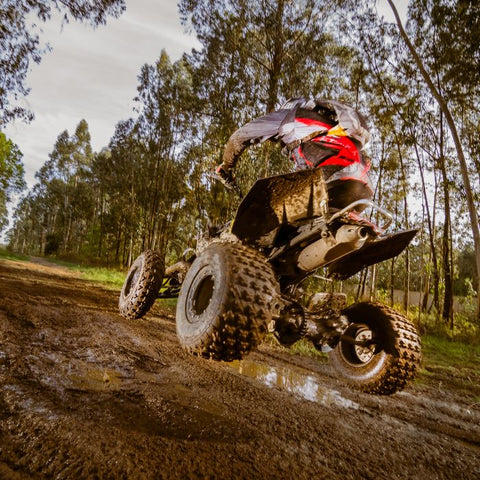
[[87, 394]]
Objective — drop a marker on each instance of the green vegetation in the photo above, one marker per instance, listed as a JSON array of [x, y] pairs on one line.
[[107, 276], [448, 353], [11, 174], [8, 255], [460, 363], [304, 347], [110, 278], [465, 327]]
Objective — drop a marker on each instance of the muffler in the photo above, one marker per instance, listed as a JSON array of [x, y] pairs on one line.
[[348, 238]]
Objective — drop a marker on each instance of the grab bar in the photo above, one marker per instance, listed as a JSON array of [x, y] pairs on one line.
[[367, 203]]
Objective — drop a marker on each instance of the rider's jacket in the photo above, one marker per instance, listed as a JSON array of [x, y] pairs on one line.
[[317, 134]]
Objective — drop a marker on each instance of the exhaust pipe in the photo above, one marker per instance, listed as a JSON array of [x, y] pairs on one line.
[[351, 234], [325, 250]]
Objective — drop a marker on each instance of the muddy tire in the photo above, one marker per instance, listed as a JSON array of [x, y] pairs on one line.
[[141, 286], [226, 302], [390, 361]]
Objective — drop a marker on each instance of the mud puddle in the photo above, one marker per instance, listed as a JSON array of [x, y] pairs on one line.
[[301, 385]]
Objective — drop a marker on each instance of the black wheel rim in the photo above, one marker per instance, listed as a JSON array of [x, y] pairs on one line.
[[132, 280], [200, 295], [203, 295]]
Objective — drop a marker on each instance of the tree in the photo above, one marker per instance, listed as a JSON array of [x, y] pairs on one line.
[[11, 175], [60, 206], [20, 42], [443, 105]]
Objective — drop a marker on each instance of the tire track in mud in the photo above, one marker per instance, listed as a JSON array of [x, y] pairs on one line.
[[86, 393]]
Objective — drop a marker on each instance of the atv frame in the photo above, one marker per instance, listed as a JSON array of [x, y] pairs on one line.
[[245, 280]]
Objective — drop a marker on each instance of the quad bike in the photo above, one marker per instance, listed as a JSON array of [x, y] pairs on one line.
[[244, 281]]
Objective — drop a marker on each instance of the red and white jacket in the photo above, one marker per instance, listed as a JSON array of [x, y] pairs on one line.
[[318, 134]]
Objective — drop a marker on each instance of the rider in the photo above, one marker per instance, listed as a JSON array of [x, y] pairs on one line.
[[317, 134]]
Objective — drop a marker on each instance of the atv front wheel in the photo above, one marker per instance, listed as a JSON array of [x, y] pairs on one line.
[[226, 302], [141, 286], [380, 350]]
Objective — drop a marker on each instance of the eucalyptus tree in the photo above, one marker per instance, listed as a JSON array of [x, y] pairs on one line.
[[443, 84], [164, 125], [65, 176], [60, 206], [20, 42], [11, 175], [119, 178]]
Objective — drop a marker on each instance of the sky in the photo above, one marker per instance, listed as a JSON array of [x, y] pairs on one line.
[[92, 75]]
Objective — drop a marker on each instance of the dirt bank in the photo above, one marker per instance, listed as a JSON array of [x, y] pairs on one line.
[[88, 394]]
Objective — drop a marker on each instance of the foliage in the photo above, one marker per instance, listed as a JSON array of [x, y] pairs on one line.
[[20, 42], [11, 175], [6, 254], [459, 361], [151, 189]]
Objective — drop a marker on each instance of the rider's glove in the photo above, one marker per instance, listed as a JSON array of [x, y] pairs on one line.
[[225, 176]]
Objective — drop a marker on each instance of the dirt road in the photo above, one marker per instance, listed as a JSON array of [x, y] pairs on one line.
[[87, 394]]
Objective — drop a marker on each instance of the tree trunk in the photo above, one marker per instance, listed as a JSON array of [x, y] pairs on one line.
[[277, 58], [456, 140], [447, 311], [373, 283]]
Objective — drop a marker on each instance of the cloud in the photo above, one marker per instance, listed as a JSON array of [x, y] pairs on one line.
[[92, 74]]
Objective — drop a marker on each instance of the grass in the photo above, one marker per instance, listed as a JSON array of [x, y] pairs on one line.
[[453, 362], [110, 278], [306, 348], [7, 255], [445, 352], [107, 276], [302, 347]]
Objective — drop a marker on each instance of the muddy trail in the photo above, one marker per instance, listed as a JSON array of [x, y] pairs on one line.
[[87, 394]]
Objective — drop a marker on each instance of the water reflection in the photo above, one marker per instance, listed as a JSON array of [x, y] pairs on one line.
[[303, 386]]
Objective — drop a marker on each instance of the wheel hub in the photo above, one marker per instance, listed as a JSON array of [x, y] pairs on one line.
[[132, 280], [364, 352], [203, 295]]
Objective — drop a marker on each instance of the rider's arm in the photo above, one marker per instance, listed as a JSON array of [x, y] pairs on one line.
[[257, 131]]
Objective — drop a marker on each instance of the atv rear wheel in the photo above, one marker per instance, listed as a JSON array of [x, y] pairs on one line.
[[141, 286], [386, 354], [226, 302]]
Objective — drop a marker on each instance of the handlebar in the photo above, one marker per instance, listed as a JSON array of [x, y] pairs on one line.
[[229, 185]]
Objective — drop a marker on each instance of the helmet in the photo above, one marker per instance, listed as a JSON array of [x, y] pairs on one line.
[[353, 122], [294, 102]]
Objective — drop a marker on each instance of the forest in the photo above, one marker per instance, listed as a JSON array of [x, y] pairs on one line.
[[416, 81]]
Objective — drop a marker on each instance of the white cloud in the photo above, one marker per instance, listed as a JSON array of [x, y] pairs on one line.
[[92, 74]]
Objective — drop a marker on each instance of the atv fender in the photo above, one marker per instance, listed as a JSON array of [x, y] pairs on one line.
[[379, 250], [277, 200]]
